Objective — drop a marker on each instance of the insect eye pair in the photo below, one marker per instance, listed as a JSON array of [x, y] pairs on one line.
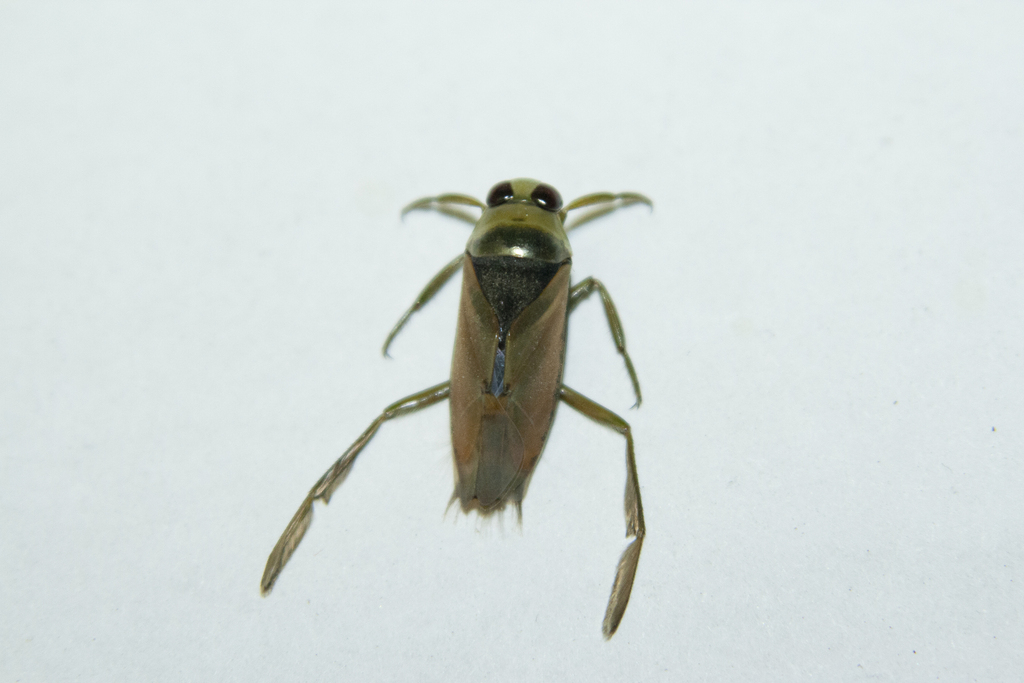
[[544, 196]]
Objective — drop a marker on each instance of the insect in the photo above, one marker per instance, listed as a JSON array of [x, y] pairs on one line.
[[506, 378]]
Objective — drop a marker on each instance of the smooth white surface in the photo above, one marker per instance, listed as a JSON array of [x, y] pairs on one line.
[[201, 255]]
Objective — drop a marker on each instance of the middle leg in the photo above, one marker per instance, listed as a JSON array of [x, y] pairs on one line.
[[581, 291], [435, 284]]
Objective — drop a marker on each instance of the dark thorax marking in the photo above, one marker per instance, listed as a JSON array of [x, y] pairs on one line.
[[509, 284]]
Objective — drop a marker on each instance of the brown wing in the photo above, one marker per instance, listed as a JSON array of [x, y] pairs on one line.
[[497, 440]]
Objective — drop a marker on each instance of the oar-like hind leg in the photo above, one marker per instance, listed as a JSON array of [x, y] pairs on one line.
[[330, 480], [626, 571]]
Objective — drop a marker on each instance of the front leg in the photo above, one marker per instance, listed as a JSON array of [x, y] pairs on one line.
[[580, 292], [607, 203], [448, 204]]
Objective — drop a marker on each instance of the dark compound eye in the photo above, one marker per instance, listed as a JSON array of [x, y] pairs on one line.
[[546, 197], [500, 193]]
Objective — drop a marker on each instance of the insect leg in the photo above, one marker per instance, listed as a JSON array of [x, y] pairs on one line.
[[330, 480], [426, 295], [581, 291], [443, 203], [612, 202], [634, 508]]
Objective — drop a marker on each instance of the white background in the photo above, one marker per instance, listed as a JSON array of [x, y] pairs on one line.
[[201, 255]]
